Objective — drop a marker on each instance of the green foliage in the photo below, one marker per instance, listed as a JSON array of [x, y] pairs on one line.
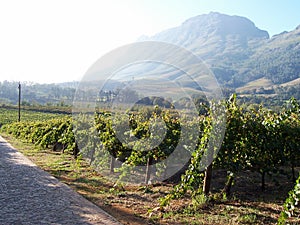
[[131, 152], [44, 133], [193, 176], [290, 203], [257, 139], [260, 140]]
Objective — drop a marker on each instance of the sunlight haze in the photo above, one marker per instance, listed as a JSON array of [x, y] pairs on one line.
[[57, 41]]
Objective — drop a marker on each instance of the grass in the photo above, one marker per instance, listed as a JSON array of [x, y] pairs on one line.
[[266, 84], [291, 83], [259, 83], [139, 204]]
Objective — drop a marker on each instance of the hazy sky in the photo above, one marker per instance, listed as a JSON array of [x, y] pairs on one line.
[[58, 40]]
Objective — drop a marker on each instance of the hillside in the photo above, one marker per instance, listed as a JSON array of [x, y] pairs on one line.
[[35, 94]]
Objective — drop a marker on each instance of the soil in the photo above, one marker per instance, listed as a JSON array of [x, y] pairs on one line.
[[139, 205]]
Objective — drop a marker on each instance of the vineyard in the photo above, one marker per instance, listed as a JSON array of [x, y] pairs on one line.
[[259, 141], [9, 115]]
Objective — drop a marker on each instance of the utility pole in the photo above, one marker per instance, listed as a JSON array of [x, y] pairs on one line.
[[19, 102]]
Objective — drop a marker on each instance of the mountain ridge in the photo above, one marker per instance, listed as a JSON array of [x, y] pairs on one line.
[[236, 50]]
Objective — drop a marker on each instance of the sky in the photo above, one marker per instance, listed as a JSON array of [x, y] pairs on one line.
[[54, 41]]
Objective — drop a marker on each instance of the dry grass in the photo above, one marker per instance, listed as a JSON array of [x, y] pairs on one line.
[[256, 84]]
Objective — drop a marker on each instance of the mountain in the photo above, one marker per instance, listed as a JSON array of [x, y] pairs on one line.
[[237, 51], [244, 59], [213, 34]]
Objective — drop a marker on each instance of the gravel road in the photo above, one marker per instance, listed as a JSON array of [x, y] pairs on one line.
[[29, 195]]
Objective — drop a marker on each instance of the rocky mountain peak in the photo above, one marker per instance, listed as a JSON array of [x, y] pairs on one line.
[[209, 25]]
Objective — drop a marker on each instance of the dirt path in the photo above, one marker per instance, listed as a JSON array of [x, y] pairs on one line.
[[29, 195]]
